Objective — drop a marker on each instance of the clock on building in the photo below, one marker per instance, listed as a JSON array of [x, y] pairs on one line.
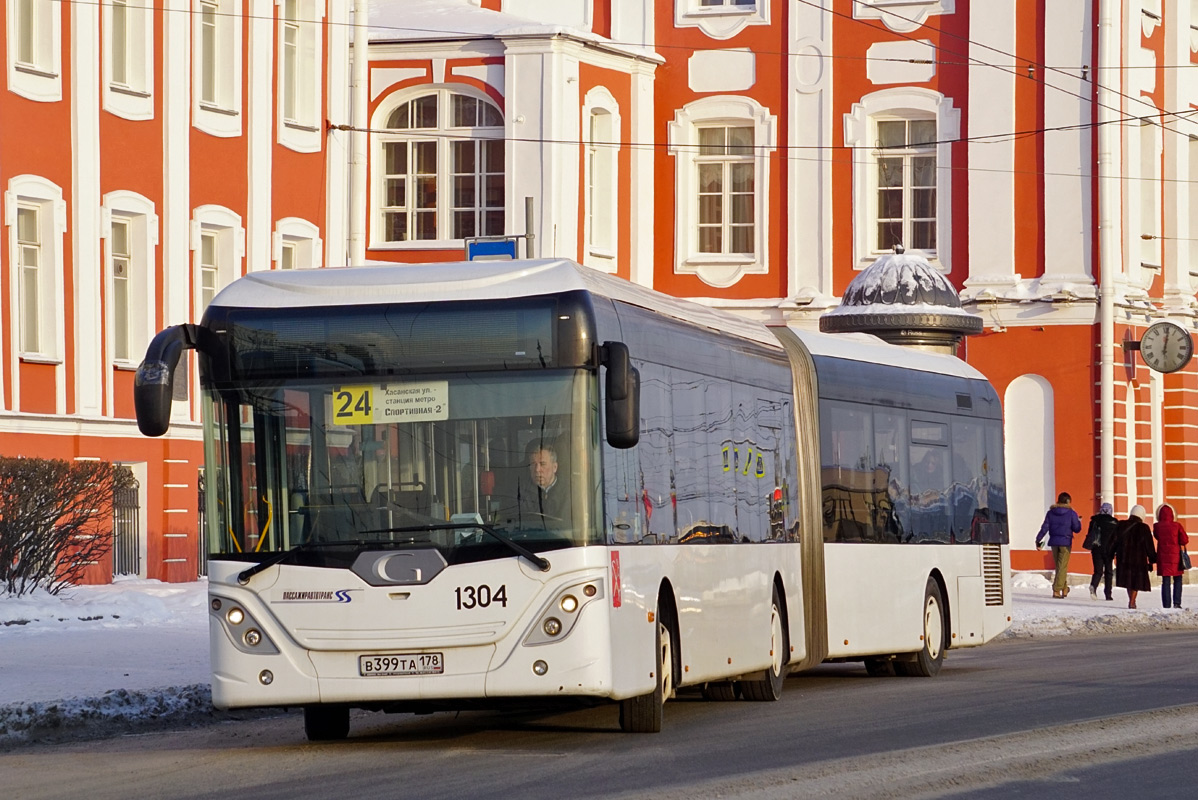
[[1166, 346]]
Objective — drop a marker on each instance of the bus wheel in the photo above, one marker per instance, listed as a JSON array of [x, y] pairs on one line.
[[929, 660], [770, 687], [326, 723], [644, 714], [880, 667], [720, 691]]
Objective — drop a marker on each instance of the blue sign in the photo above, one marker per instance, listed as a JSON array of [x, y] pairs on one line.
[[490, 249]]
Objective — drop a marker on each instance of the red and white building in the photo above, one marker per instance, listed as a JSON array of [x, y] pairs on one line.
[[150, 153], [753, 154]]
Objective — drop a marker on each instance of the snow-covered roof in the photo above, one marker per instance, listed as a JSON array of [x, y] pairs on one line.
[[438, 20]]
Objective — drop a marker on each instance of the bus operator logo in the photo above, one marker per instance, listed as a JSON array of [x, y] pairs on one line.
[[332, 596]]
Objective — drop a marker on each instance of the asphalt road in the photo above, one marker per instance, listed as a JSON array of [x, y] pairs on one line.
[[1113, 716]]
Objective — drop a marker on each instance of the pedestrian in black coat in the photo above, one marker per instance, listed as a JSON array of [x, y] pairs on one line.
[[1100, 541], [1134, 554]]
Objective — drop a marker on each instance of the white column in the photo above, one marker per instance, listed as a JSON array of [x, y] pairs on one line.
[[991, 181], [175, 249], [1068, 202], [85, 270], [337, 142], [642, 217], [260, 117], [807, 220], [1177, 246]]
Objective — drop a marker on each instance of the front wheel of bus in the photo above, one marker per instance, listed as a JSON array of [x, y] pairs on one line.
[[769, 688], [326, 723], [929, 660], [644, 714]]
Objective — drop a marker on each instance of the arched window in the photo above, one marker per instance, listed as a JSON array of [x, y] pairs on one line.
[[439, 169]]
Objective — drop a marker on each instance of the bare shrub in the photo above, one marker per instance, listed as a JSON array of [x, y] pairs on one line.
[[55, 520]]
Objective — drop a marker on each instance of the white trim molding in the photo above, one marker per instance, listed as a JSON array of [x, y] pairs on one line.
[[35, 62], [715, 269], [216, 88], [601, 179], [296, 244], [859, 133], [722, 21], [902, 16]]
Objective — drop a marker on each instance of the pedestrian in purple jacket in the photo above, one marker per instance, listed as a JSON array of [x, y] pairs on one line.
[[1060, 523]]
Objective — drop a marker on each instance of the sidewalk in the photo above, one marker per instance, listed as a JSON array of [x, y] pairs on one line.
[[136, 652]]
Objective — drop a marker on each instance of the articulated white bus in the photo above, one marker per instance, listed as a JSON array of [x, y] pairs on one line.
[[472, 485]]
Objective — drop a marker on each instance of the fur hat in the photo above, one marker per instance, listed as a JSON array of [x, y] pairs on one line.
[[1106, 508], [1137, 511]]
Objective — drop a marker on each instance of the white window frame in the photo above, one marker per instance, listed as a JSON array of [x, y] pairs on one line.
[[722, 20], [228, 234], [444, 134], [860, 126], [716, 269], [902, 16], [298, 239], [601, 180], [137, 212], [300, 62], [133, 97], [38, 78], [31, 191], [220, 116]]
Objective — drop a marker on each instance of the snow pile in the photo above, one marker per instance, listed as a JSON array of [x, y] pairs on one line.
[[97, 660], [125, 603]]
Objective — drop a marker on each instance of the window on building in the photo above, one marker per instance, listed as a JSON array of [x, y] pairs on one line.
[[218, 244], [906, 184], [128, 58], [35, 216], [725, 184], [600, 169], [132, 234], [217, 66], [296, 244], [721, 19], [721, 146], [34, 47], [441, 169], [120, 239], [299, 70], [902, 164], [29, 263]]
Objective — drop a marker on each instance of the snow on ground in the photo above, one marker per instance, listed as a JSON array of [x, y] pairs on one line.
[[134, 654]]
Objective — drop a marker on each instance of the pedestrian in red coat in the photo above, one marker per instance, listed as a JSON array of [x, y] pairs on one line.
[[1170, 539]]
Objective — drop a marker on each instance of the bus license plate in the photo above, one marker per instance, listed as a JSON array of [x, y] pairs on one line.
[[391, 664]]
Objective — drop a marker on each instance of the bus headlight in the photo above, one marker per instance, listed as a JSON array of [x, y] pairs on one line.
[[235, 616], [253, 637], [559, 616], [242, 630]]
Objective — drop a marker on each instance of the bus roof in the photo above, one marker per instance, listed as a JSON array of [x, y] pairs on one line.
[[497, 280]]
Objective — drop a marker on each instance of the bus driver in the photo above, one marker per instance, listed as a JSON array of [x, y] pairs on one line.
[[546, 497]]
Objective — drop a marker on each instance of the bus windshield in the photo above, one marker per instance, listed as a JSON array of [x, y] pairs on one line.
[[421, 461]]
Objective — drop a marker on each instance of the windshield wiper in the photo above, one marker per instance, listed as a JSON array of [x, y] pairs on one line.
[[541, 563], [244, 576]]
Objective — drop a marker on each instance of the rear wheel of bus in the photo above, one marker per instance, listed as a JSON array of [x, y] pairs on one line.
[[326, 723], [644, 714], [769, 688], [930, 658]]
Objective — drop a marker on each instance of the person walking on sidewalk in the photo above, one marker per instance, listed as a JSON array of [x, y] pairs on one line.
[[1170, 539], [1060, 523], [1134, 554], [1100, 541]]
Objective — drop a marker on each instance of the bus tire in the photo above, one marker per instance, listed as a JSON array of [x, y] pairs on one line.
[[326, 723], [930, 658], [769, 688], [644, 714]]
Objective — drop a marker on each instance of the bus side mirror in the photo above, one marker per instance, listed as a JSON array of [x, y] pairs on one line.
[[622, 404], [154, 383]]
